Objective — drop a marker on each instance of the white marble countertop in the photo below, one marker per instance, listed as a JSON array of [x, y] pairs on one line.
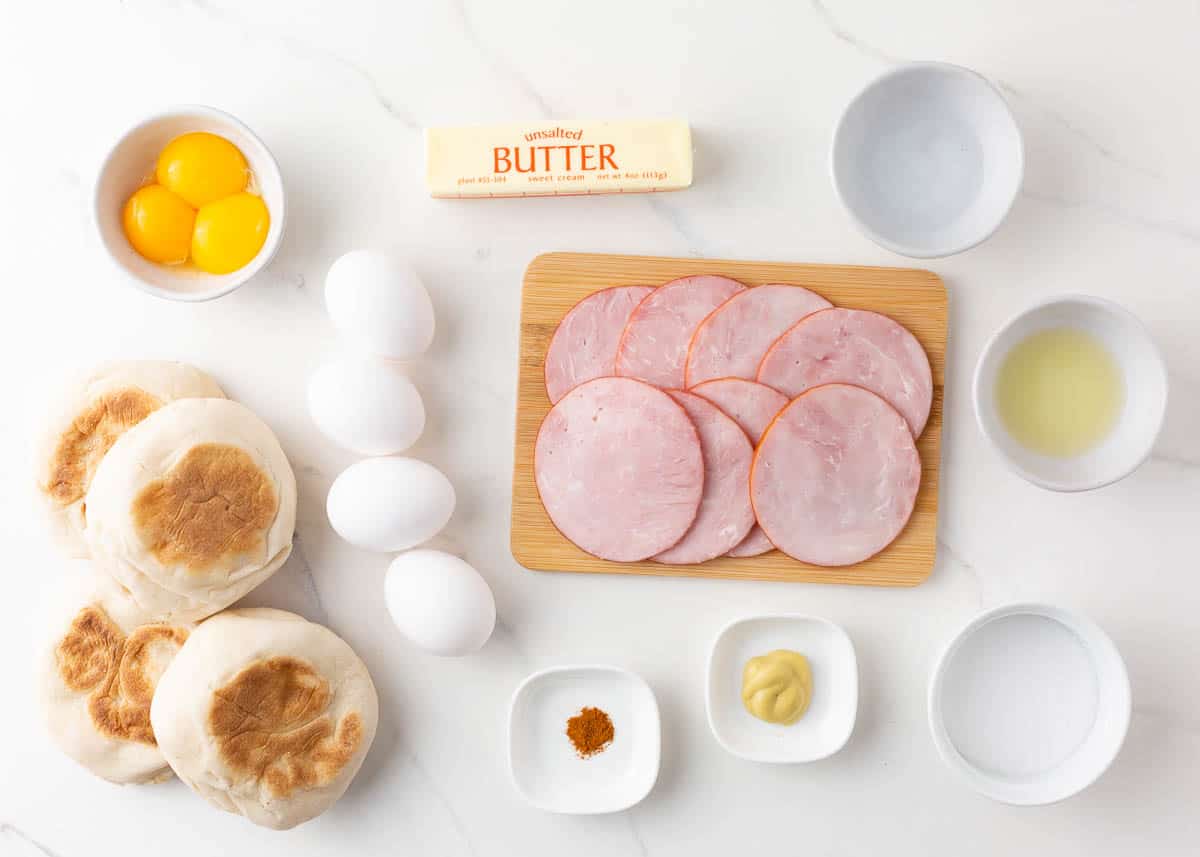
[[1106, 94]]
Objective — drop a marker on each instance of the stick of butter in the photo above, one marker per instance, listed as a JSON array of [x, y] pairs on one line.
[[557, 158]]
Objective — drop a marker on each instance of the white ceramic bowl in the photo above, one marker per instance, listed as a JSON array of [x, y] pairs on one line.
[[131, 161], [824, 728], [1143, 372], [1029, 703], [545, 768], [927, 159]]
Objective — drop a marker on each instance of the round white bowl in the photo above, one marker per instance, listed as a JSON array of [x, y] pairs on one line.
[[1145, 379], [131, 162], [1029, 703], [927, 159]]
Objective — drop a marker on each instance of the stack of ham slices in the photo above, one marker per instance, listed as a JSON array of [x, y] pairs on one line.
[[703, 418]]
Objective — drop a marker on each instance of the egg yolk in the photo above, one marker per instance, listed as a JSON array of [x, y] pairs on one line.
[[229, 233], [202, 168], [159, 225]]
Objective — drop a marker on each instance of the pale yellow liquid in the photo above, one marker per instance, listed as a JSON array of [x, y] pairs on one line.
[[1059, 392]]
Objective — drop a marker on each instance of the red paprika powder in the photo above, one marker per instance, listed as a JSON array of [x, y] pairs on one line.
[[590, 731]]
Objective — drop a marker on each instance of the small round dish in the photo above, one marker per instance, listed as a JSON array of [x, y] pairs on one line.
[[131, 161], [825, 727], [927, 159], [545, 768], [1029, 704], [1145, 381]]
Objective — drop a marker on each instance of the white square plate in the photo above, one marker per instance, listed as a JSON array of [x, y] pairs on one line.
[[824, 728], [545, 767]]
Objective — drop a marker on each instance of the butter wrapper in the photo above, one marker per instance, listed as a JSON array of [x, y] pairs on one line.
[[558, 158]]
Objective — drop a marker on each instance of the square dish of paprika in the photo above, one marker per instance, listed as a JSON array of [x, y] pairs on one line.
[[584, 739]]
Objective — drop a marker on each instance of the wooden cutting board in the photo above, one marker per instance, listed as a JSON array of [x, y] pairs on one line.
[[556, 281]]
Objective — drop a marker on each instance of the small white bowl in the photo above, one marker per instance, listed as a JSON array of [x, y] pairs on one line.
[[545, 768], [1143, 372], [1029, 703], [825, 727], [927, 159], [131, 162]]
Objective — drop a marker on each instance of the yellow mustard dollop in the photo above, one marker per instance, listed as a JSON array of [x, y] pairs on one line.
[[777, 687]]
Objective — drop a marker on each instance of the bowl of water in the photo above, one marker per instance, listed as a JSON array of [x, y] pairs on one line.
[[927, 159]]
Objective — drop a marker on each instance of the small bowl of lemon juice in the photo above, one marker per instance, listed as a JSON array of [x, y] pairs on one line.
[[1072, 393]]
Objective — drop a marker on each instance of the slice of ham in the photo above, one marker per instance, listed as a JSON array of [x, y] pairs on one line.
[[731, 341], [584, 345], [654, 344], [851, 346], [725, 515], [835, 476], [619, 468], [752, 406]]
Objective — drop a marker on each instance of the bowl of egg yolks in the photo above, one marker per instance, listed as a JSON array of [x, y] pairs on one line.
[[189, 204]]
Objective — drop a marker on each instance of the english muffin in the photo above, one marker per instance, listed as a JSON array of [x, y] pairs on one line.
[[192, 508], [97, 673], [87, 418], [266, 715]]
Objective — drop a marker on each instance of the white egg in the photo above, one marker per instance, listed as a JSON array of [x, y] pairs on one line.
[[389, 504], [379, 304], [366, 405], [439, 602]]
